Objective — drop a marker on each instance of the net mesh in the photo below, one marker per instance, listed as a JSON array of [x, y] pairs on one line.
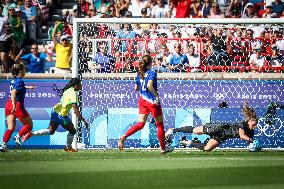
[[206, 72]]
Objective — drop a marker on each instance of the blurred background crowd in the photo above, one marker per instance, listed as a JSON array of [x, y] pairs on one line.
[[39, 33]]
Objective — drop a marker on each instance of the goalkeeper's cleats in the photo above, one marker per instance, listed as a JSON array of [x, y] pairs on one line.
[[17, 140], [69, 149], [3, 148], [121, 143], [168, 149], [26, 136], [185, 143]]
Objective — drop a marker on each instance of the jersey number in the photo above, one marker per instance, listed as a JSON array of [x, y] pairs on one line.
[[143, 85]]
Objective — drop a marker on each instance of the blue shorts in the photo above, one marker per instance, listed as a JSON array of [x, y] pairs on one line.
[[59, 119]]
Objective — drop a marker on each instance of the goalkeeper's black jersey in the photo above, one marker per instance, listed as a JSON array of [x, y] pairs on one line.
[[232, 130]]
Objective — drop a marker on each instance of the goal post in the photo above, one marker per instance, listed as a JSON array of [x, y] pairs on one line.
[[188, 97]]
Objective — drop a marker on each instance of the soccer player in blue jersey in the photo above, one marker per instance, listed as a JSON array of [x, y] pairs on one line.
[[220, 132], [146, 84], [15, 107]]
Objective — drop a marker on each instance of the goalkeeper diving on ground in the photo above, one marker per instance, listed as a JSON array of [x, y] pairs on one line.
[[220, 132]]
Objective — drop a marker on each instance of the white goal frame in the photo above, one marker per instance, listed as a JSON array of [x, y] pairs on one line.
[[200, 21]]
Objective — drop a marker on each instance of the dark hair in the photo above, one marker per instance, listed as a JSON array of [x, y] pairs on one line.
[[17, 68], [71, 83], [146, 60]]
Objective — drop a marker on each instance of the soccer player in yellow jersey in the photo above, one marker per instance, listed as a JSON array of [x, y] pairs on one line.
[[60, 112]]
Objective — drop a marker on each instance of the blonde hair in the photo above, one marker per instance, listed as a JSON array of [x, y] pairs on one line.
[[146, 60], [248, 112]]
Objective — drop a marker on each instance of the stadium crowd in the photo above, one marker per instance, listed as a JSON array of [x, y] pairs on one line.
[[176, 48]]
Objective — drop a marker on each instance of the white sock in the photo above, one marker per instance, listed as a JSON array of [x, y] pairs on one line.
[[70, 138], [41, 132]]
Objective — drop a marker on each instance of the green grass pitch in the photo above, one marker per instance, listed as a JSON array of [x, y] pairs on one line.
[[135, 169]]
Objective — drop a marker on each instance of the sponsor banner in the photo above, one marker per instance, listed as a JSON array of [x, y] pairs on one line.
[[45, 94], [185, 94]]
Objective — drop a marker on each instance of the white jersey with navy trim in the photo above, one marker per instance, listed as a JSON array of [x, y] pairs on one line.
[[144, 91]]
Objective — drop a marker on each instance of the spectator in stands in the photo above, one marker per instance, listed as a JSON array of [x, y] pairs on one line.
[[216, 12], [183, 8], [111, 11], [128, 14], [30, 15], [136, 6], [276, 59], [92, 13], [194, 8], [205, 8], [6, 5], [278, 7], [125, 33], [128, 67], [102, 5], [149, 4], [257, 60], [249, 11], [144, 15], [43, 12], [17, 25], [268, 12], [219, 48], [63, 51], [171, 13], [224, 5], [121, 7], [74, 14], [178, 61], [193, 59], [35, 60], [162, 59], [235, 9], [159, 10], [102, 62], [84, 7], [67, 28], [236, 48], [5, 40]]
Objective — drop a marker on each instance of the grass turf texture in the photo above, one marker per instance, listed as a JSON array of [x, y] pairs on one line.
[[133, 169]]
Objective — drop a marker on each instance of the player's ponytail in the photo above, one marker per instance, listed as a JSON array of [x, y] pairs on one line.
[[146, 60], [71, 83], [249, 113], [16, 69]]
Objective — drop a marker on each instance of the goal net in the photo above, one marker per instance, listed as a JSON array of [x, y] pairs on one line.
[[206, 69]]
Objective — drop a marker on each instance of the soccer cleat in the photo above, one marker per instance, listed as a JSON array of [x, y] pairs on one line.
[[3, 148], [69, 149], [168, 149], [168, 141], [185, 143], [169, 133], [121, 143], [26, 136], [16, 138]]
